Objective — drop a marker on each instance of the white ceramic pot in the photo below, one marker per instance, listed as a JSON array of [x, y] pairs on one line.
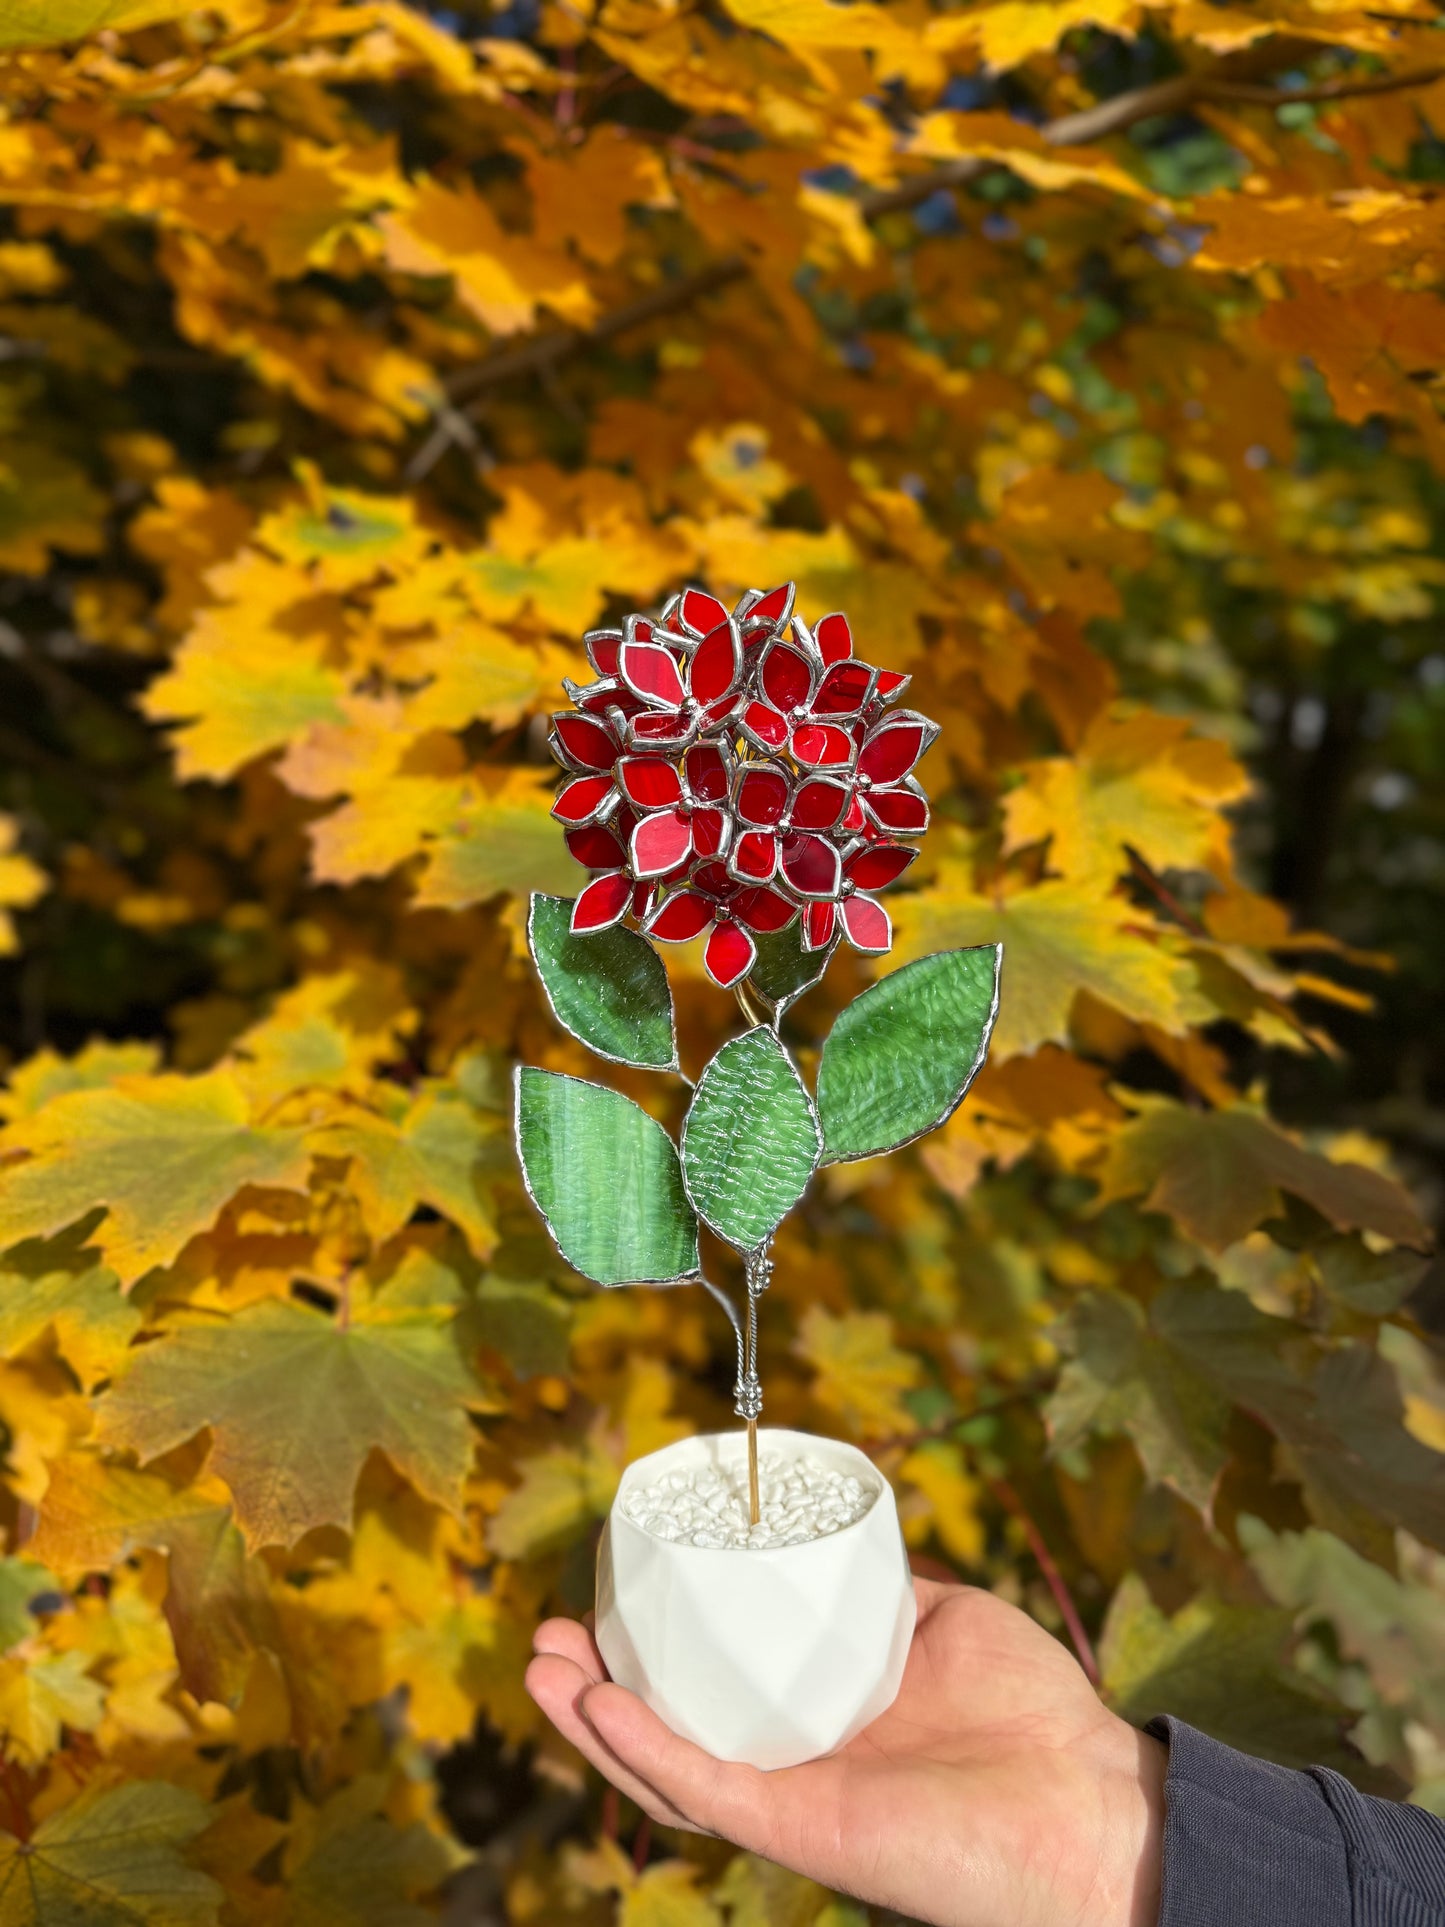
[[769, 1655]]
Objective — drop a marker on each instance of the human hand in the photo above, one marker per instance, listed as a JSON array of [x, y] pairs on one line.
[[996, 1791]]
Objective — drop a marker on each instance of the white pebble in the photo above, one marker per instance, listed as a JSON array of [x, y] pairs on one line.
[[799, 1500]]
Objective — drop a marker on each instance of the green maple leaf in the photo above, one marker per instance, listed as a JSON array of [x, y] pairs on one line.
[[1223, 1669], [49, 23], [1168, 1379], [348, 1866], [112, 1858], [54, 1285], [21, 1580], [1124, 1378], [163, 1154], [1220, 1173], [295, 1400]]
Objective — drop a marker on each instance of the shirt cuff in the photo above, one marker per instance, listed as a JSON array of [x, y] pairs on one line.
[[1246, 1843]]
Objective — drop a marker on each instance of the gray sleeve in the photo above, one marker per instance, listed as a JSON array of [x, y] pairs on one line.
[[1248, 1844]]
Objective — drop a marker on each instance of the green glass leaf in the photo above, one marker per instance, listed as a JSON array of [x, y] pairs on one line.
[[784, 969], [750, 1141], [605, 1176], [900, 1057], [609, 989]]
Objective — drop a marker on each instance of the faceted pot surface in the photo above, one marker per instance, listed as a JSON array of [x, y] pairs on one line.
[[766, 1655]]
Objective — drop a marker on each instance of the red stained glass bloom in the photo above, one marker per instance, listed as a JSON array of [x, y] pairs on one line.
[[730, 954], [732, 773], [583, 742], [605, 901]]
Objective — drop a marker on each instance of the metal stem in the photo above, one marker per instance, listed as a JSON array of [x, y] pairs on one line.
[[733, 1319], [748, 1003], [750, 1404]]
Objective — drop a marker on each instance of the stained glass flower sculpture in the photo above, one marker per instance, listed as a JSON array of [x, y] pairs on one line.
[[741, 777]]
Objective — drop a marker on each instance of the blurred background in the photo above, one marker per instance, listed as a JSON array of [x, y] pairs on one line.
[[354, 360]]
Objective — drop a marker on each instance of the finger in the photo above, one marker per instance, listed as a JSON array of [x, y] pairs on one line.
[[716, 1796], [568, 1640], [557, 1684], [930, 1593]]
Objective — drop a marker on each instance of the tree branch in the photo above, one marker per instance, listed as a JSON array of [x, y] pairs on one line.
[[1232, 80], [545, 351]]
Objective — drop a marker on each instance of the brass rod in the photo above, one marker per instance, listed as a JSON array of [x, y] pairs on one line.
[[753, 1507]]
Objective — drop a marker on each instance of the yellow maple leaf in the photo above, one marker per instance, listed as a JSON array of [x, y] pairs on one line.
[[503, 278], [39, 1696], [21, 883], [463, 1660], [331, 1032], [1014, 30], [235, 694], [561, 1491], [1142, 781], [936, 1470], [861, 1373], [1060, 939]]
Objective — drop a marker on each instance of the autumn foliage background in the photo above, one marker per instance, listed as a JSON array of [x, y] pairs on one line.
[[355, 359]]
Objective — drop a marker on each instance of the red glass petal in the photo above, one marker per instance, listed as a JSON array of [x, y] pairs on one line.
[[754, 857], [866, 925], [730, 954], [877, 865], [602, 646], [763, 910], [714, 879], [711, 831], [639, 629], [819, 922], [660, 729], [605, 901], [786, 676], [581, 799], [765, 726], [582, 741], [834, 638], [660, 842], [822, 746], [718, 664], [854, 821], [642, 899], [890, 683], [775, 607], [701, 612], [706, 770], [651, 672], [844, 690], [761, 797], [811, 866], [595, 847], [819, 803], [895, 746], [714, 715], [650, 782], [679, 918], [903, 810]]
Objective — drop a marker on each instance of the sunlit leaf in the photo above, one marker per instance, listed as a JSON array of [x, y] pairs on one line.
[[295, 1400], [124, 1848]]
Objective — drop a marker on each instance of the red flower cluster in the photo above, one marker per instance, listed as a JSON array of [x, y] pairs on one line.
[[732, 772]]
